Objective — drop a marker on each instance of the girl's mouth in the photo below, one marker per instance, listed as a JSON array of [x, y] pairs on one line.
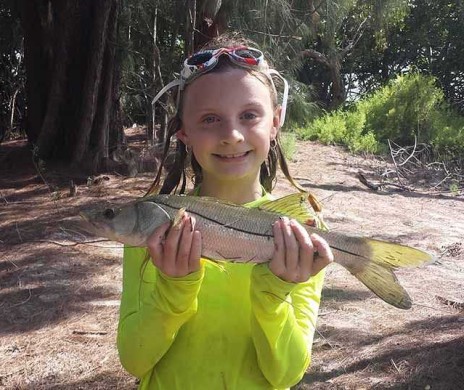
[[232, 156]]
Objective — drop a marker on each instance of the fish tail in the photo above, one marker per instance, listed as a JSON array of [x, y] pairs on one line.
[[373, 262]]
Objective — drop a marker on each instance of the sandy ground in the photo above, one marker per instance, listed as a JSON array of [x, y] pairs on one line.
[[59, 300]]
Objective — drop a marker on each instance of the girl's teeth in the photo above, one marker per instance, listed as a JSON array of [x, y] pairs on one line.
[[232, 155]]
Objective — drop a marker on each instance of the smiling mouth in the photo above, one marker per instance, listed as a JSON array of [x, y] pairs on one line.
[[232, 156]]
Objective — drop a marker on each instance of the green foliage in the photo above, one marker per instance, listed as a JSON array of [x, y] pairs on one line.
[[346, 128], [447, 131], [409, 108], [288, 144], [401, 110], [426, 35]]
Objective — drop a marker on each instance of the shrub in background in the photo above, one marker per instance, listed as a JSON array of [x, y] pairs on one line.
[[410, 106]]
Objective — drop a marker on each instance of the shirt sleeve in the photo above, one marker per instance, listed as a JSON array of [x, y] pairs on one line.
[[283, 324], [153, 308]]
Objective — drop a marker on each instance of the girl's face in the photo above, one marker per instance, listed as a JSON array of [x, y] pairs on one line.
[[229, 121]]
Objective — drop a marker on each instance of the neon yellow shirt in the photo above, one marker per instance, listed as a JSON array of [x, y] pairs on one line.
[[227, 326]]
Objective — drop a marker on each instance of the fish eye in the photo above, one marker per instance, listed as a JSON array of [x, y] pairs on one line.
[[109, 213]]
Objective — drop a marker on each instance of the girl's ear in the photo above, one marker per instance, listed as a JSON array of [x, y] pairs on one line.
[[182, 135], [276, 122]]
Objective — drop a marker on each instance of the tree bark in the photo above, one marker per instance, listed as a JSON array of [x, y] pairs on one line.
[[100, 141], [212, 22], [101, 12], [62, 25], [35, 62], [72, 78]]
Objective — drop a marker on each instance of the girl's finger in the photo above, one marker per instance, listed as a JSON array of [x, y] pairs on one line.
[[292, 250], [306, 258], [195, 252], [155, 243], [171, 246], [277, 264], [324, 254], [184, 246]]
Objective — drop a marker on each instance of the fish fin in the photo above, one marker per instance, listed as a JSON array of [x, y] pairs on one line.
[[396, 255], [304, 207], [373, 262], [354, 251], [384, 283]]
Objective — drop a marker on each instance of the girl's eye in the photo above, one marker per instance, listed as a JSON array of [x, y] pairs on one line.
[[209, 119], [249, 116]]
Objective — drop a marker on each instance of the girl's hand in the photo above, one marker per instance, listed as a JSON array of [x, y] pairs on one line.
[[298, 255], [178, 252]]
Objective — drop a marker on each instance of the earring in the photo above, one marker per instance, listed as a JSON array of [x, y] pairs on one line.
[[273, 145], [188, 149]]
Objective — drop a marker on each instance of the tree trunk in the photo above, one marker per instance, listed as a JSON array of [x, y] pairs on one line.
[[100, 135], [337, 93], [72, 78], [212, 22], [190, 26], [35, 62], [90, 95]]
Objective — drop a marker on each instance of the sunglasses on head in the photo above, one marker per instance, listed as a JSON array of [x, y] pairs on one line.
[[203, 61]]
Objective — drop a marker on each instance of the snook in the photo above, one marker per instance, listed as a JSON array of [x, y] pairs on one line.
[[234, 233]]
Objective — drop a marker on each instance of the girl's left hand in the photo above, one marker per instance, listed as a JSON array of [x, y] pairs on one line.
[[298, 255]]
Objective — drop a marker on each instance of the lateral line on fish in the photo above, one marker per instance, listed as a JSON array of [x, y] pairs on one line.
[[165, 204], [215, 221]]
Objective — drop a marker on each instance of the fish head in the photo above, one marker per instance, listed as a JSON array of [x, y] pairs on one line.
[[129, 224]]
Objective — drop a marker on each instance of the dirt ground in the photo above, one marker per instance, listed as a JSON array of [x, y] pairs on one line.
[[59, 299]]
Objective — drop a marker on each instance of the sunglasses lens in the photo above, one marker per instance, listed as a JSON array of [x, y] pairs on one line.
[[248, 53], [200, 58]]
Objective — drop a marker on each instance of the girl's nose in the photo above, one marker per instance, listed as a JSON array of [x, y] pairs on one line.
[[231, 133]]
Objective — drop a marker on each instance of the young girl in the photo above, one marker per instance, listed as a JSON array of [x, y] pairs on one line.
[[187, 323]]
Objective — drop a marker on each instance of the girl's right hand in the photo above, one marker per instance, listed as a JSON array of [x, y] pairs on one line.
[[176, 250]]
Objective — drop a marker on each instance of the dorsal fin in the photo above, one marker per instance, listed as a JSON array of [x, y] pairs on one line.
[[297, 206]]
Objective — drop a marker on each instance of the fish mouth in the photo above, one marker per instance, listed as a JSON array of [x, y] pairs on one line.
[[231, 156]]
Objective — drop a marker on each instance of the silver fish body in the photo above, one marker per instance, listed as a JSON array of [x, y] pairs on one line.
[[234, 233]]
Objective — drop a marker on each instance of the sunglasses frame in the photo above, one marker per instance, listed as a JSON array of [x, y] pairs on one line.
[[192, 71]]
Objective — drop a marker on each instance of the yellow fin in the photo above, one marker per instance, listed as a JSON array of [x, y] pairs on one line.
[[297, 206], [393, 255], [373, 262], [383, 283]]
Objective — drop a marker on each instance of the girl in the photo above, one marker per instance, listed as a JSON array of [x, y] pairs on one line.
[[187, 323]]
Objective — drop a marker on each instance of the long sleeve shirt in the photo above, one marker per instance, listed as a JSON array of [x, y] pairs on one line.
[[226, 326]]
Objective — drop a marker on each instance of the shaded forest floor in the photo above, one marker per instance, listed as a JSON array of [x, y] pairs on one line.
[[59, 300]]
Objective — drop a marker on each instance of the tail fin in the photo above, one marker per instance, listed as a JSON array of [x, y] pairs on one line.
[[373, 263], [383, 283]]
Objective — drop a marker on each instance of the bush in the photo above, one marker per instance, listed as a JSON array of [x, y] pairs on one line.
[[346, 128], [402, 110], [409, 107]]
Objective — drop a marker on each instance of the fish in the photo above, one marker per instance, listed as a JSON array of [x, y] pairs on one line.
[[232, 232]]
